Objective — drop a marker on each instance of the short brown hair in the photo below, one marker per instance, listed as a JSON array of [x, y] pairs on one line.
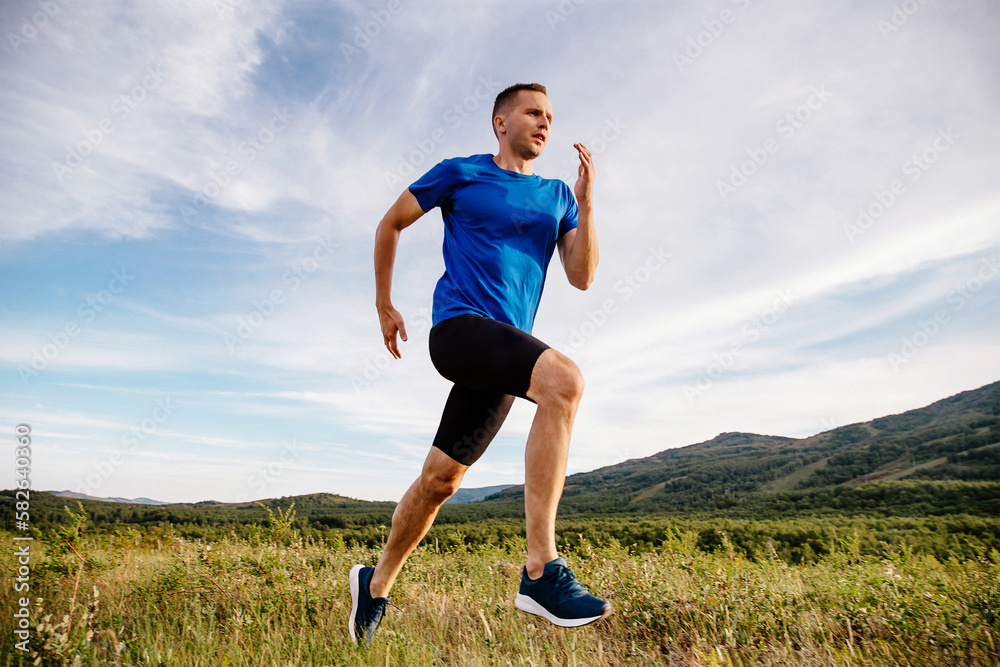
[[506, 98]]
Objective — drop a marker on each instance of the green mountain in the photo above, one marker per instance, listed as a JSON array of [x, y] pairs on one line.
[[475, 495], [944, 458]]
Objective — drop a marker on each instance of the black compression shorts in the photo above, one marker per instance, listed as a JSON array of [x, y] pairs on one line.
[[490, 363]]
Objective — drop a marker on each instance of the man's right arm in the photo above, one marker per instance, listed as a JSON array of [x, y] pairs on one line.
[[400, 215]]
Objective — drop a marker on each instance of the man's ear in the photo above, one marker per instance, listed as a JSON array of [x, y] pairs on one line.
[[499, 124]]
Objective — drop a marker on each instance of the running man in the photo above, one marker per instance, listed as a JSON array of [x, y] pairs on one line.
[[502, 224]]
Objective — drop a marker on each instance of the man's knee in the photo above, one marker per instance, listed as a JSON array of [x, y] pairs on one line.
[[557, 379], [440, 488], [440, 481]]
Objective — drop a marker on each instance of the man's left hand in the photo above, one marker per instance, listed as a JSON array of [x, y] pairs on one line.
[[584, 188]]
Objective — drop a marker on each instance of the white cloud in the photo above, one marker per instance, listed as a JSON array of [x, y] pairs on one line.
[[201, 87]]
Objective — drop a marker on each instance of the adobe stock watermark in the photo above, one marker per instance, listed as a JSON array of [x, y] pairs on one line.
[[130, 441], [600, 141], [563, 11], [454, 117], [30, 26], [365, 32], [537, 209], [540, 206], [786, 126], [265, 475], [249, 149], [292, 279], [750, 332], [625, 288], [121, 108], [927, 330], [225, 8], [467, 450], [829, 423], [901, 14], [698, 43], [22, 517], [377, 364], [87, 310], [914, 168]]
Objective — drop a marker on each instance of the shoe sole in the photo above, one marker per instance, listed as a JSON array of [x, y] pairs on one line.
[[528, 605], [355, 588]]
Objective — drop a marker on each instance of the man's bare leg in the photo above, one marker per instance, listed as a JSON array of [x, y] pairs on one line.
[[440, 478], [556, 387]]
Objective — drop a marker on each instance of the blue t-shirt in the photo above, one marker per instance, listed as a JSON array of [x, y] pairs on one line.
[[500, 230]]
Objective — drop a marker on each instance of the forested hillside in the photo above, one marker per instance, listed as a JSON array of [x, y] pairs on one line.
[[934, 473], [934, 460]]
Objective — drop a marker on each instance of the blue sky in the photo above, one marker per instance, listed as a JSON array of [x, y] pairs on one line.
[[798, 207]]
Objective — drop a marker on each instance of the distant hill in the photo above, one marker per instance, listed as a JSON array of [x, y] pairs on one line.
[[83, 496], [943, 459], [949, 447], [320, 510], [475, 495]]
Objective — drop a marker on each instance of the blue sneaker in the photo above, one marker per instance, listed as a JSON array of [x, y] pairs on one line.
[[366, 611], [559, 597]]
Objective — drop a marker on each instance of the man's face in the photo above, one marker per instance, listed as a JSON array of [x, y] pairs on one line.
[[527, 125]]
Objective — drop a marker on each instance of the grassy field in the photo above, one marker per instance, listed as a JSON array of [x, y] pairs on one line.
[[276, 599]]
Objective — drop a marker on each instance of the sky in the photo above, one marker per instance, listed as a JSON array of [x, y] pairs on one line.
[[797, 205]]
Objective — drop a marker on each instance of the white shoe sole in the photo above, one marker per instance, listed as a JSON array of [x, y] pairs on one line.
[[526, 604], [355, 571]]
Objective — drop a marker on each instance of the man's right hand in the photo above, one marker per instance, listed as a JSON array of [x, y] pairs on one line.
[[392, 322], [400, 215]]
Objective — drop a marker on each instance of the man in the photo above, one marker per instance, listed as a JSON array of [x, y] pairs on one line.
[[502, 224]]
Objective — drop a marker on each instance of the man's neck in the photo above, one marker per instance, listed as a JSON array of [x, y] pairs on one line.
[[511, 162]]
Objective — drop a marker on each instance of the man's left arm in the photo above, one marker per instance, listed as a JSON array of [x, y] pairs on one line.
[[578, 247]]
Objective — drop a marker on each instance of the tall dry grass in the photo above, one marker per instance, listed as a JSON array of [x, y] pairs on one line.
[[275, 599]]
